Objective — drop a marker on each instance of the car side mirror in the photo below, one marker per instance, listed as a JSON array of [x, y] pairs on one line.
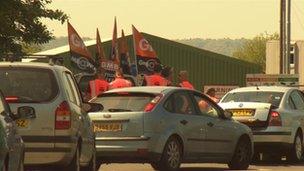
[[92, 107], [228, 114], [26, 112]]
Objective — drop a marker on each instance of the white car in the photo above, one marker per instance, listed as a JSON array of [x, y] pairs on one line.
[[275, 115]]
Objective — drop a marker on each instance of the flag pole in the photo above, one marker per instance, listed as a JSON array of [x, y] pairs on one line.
[[134, 48]]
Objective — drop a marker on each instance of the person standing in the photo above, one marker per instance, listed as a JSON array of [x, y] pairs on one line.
[[211, 93], [183, 80], [119, 81], [98, 86], [156, 79]]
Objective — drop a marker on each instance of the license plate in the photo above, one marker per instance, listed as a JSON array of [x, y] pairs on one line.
[[242, 112], [107, 127], [22, 123]]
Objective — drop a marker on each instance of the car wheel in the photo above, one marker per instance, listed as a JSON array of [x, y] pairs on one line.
[[75, 163], [296, 152], [155, 166], [172, 156], [242, 155]]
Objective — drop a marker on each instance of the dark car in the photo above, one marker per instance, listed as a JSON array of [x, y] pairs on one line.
[[11, 144]]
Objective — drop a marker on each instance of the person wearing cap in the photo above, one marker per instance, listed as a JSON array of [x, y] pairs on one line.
[[119, 81], [211, 93], [183, 79], [156, 79], [98, 86]]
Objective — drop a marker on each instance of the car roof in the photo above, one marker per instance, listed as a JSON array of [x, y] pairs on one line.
[[145, 89], [33, 65], [264, 88]]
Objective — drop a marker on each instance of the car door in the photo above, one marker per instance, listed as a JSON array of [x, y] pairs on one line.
[[219, 132], [83, 120], [181, 108], [296, 104]]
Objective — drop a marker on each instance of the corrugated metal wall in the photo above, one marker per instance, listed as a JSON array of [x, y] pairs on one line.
[[204, 67]]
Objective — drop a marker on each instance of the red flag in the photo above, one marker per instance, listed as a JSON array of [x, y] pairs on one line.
[[146, 58], [142, 46], [106, 66], [99, 49], [114, 50], [124, 54], [76, 43], [80, 55]]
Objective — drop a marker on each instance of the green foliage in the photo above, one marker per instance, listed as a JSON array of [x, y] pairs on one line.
[[30, 48], [254, 50], [58, 42], [21, 23]]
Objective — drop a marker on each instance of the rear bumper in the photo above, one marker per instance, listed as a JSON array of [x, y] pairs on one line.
[[126, 150], [273, 139]]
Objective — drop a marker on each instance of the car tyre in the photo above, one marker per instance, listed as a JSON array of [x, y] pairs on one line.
[[242, 155], [296, 152], [172, 156], [75, 163]]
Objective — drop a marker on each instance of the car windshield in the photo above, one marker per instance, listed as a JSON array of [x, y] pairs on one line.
[[124, 102], [254, 96], [28, 85]]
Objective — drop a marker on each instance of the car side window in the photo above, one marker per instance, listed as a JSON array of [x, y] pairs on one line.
[[74, 88], [291, 103], [169, 104], [69, 89], [205, 106], [298, 100], [182, 103]]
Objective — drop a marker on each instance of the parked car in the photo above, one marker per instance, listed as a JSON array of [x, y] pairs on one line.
[[275, 115], [167, 126], [54, 123], [11, 144]]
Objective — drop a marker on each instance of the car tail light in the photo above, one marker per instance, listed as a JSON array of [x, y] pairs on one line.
[[11, 99], [150, 106], [275, 119], [63, 116]]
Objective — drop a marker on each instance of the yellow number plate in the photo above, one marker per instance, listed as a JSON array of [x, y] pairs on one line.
[[22, 123], [107, 127], [242, 112]]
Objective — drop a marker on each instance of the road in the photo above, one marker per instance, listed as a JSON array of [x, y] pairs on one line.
[[205, 167]]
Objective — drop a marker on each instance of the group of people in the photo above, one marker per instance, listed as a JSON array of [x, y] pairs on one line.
[[100, 85]]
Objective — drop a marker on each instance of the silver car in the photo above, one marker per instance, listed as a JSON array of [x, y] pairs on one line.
[[275, 115], [11, 144], [54, 123], [167, 126]]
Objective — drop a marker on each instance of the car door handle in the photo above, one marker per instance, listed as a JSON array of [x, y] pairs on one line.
[[210, 124], [184, 122]]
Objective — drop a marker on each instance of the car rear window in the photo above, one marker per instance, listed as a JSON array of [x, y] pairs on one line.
[[124, 102], [28, 85], [255, 96]]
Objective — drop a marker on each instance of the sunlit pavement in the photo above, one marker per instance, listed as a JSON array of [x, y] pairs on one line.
[[204, 167]]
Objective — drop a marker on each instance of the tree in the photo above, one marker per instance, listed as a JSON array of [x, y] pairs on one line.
[[254, 50], [21, 24]]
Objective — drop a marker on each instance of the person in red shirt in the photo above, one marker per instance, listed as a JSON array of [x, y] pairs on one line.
[[98, 86], [119, 81], [211, 93], [156, 79], [183, 79]]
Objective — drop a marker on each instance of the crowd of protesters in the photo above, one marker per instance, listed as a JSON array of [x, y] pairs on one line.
[[162, 76]]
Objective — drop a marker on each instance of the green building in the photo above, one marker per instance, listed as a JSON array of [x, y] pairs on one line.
[[204, 67]]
